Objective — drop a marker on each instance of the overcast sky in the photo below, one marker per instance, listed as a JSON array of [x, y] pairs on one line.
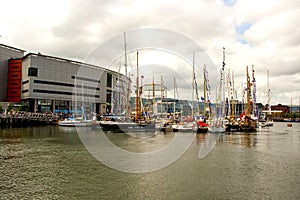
[[263, 33]]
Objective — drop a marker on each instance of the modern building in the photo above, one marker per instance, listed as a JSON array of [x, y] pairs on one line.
[[7, 53], [43, 83]]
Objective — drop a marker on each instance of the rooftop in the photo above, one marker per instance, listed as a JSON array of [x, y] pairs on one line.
[[11, 48]]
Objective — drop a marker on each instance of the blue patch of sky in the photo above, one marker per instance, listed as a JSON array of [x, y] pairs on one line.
[[243, 41], [229, 2], [241, 29]]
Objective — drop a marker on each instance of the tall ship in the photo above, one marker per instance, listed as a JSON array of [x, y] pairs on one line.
[[137, 120], [248, 117]]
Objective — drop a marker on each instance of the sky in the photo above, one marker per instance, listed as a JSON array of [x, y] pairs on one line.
[[264, 34]]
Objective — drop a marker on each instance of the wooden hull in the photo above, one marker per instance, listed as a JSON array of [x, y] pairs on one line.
[[233, 128], [201, 129], [247, 128]]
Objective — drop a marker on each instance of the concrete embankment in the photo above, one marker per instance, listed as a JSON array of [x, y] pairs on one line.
[[24, 119]]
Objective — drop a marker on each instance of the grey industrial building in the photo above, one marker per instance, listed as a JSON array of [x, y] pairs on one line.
[[52, 84]]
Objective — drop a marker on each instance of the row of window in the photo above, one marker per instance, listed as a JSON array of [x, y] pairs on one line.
[[32, 71], [85, 79], [60, 84], [64, 84], [64, 93]]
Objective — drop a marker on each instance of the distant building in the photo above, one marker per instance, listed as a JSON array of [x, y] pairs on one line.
[[285, 109]]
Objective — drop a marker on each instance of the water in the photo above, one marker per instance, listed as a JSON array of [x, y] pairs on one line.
[[52, 163]]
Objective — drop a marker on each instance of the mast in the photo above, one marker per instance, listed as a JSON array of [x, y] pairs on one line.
[[118, 107], [153, 94], [161, 94], [174, 108], [137, 88], [193, 86], [255, 111], [228, 87], [126, 86], [248, 93], [268, 93], [299, 109], [223, 84], [125, 53], [234, 97], [221, 93], [197, 95], [204, 90]]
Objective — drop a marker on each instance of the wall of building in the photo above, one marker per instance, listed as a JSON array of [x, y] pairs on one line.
[[56, 84], [6, 53], [14, 79]]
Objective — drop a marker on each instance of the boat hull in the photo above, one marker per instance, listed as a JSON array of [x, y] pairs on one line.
[[128, 127], [201, 129], [233, 128], [75, 123]]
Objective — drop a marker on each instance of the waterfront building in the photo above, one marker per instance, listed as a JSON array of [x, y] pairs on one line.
[[43, 83], [9, 88]]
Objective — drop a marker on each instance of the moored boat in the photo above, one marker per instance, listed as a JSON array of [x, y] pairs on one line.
[[202, 127], [183, 127], [122, 124], [78, 122]]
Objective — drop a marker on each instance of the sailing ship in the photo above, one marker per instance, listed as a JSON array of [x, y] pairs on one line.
[[232, 125], [248, 122], [267, 121], [202, 126], [217, 123], [138, 121]]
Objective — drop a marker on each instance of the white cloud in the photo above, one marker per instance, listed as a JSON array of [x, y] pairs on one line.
[[72, 29]]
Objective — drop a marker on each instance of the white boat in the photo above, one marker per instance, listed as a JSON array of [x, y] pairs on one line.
[[269, 122], [78, 121], [75, 122], [183, 127], [217, 126]]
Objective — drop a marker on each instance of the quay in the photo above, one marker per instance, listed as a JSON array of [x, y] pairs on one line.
[[24, 119]]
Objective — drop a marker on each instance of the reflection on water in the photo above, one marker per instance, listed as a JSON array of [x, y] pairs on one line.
[[140, 142], [52, 163]]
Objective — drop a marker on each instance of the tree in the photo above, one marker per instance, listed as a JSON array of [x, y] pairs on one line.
[[9, 107]]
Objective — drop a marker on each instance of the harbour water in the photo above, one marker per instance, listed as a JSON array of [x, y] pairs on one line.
[[50, 162]]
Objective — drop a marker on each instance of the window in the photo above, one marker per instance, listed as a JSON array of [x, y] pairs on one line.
[[32, 71], [85, 79], [109, 80], [65, 84], [25, 82], [63, 93], [108, 96]]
